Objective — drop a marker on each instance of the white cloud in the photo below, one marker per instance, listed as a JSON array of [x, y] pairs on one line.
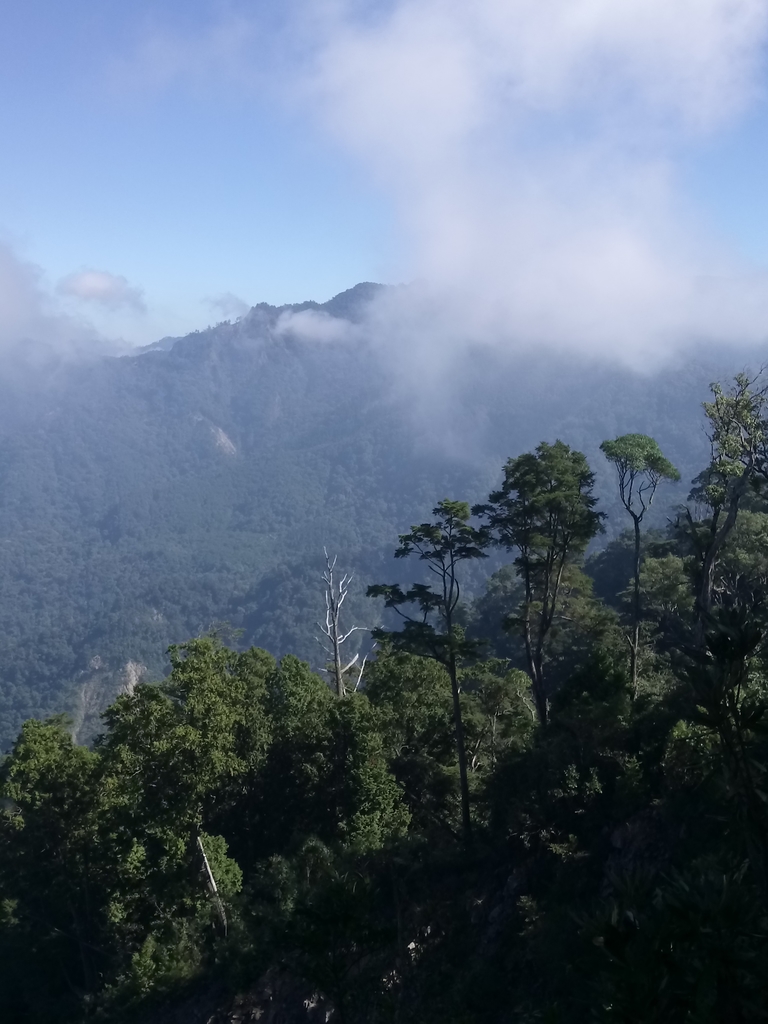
[[531, 148], [422, 79], [315, 326], [111, 291], [228, 305], [32, 327]]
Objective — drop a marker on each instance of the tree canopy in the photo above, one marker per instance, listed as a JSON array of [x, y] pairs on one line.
[[242, 841]]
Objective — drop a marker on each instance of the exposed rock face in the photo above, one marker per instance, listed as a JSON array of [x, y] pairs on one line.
[[133, 674], [222, 441], [96, 690]]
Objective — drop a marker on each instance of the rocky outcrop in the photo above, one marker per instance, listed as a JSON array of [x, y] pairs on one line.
[[97, 687]]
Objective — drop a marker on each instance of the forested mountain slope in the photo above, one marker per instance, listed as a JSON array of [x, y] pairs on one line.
[[144, 498]]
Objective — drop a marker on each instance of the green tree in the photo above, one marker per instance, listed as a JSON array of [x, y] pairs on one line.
[[544, 510], [501, 713], [326, 775], [738, 437], [413, 698], [52, 869], [176, 760], [665, 585], [443, 545], [640, 468], [728, 702], [176, 753]]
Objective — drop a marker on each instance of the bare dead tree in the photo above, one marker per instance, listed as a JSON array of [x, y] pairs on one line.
[[334, 637]]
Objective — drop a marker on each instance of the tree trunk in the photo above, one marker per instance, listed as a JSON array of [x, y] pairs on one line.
[[536, 672], [634, 646], [539, 693], [337, 667], [459, 729], [709, 562]]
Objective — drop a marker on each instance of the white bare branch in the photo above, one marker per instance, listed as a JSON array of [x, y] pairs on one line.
[[349, 664], [212, 887], [336, 590], [362, 668]]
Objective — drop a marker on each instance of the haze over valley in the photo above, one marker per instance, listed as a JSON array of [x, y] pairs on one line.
[[149, 496]]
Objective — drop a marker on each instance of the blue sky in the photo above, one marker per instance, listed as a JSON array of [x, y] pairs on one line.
[[188, 190], [726, 179], [279, 151]]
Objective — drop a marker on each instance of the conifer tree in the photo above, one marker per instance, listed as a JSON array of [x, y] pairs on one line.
[[443, 545]]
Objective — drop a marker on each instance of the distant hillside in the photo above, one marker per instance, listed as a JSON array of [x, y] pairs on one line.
[[147, 497]]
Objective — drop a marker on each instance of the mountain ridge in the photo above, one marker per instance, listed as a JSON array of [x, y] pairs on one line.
[[126, 526]]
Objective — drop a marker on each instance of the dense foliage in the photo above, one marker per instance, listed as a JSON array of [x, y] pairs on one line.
[[548, 803]]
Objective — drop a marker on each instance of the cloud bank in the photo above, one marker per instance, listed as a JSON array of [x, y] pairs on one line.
[[41, 328], [318, 326], [531, 149], [228, 305], [32, 327], [111, 291]]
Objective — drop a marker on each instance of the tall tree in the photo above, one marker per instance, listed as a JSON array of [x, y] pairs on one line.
[[640, 468], [738, 438], [544, 510], [443, 544]]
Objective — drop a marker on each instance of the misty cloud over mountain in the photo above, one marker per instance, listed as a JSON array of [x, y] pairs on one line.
[[532, 151]]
